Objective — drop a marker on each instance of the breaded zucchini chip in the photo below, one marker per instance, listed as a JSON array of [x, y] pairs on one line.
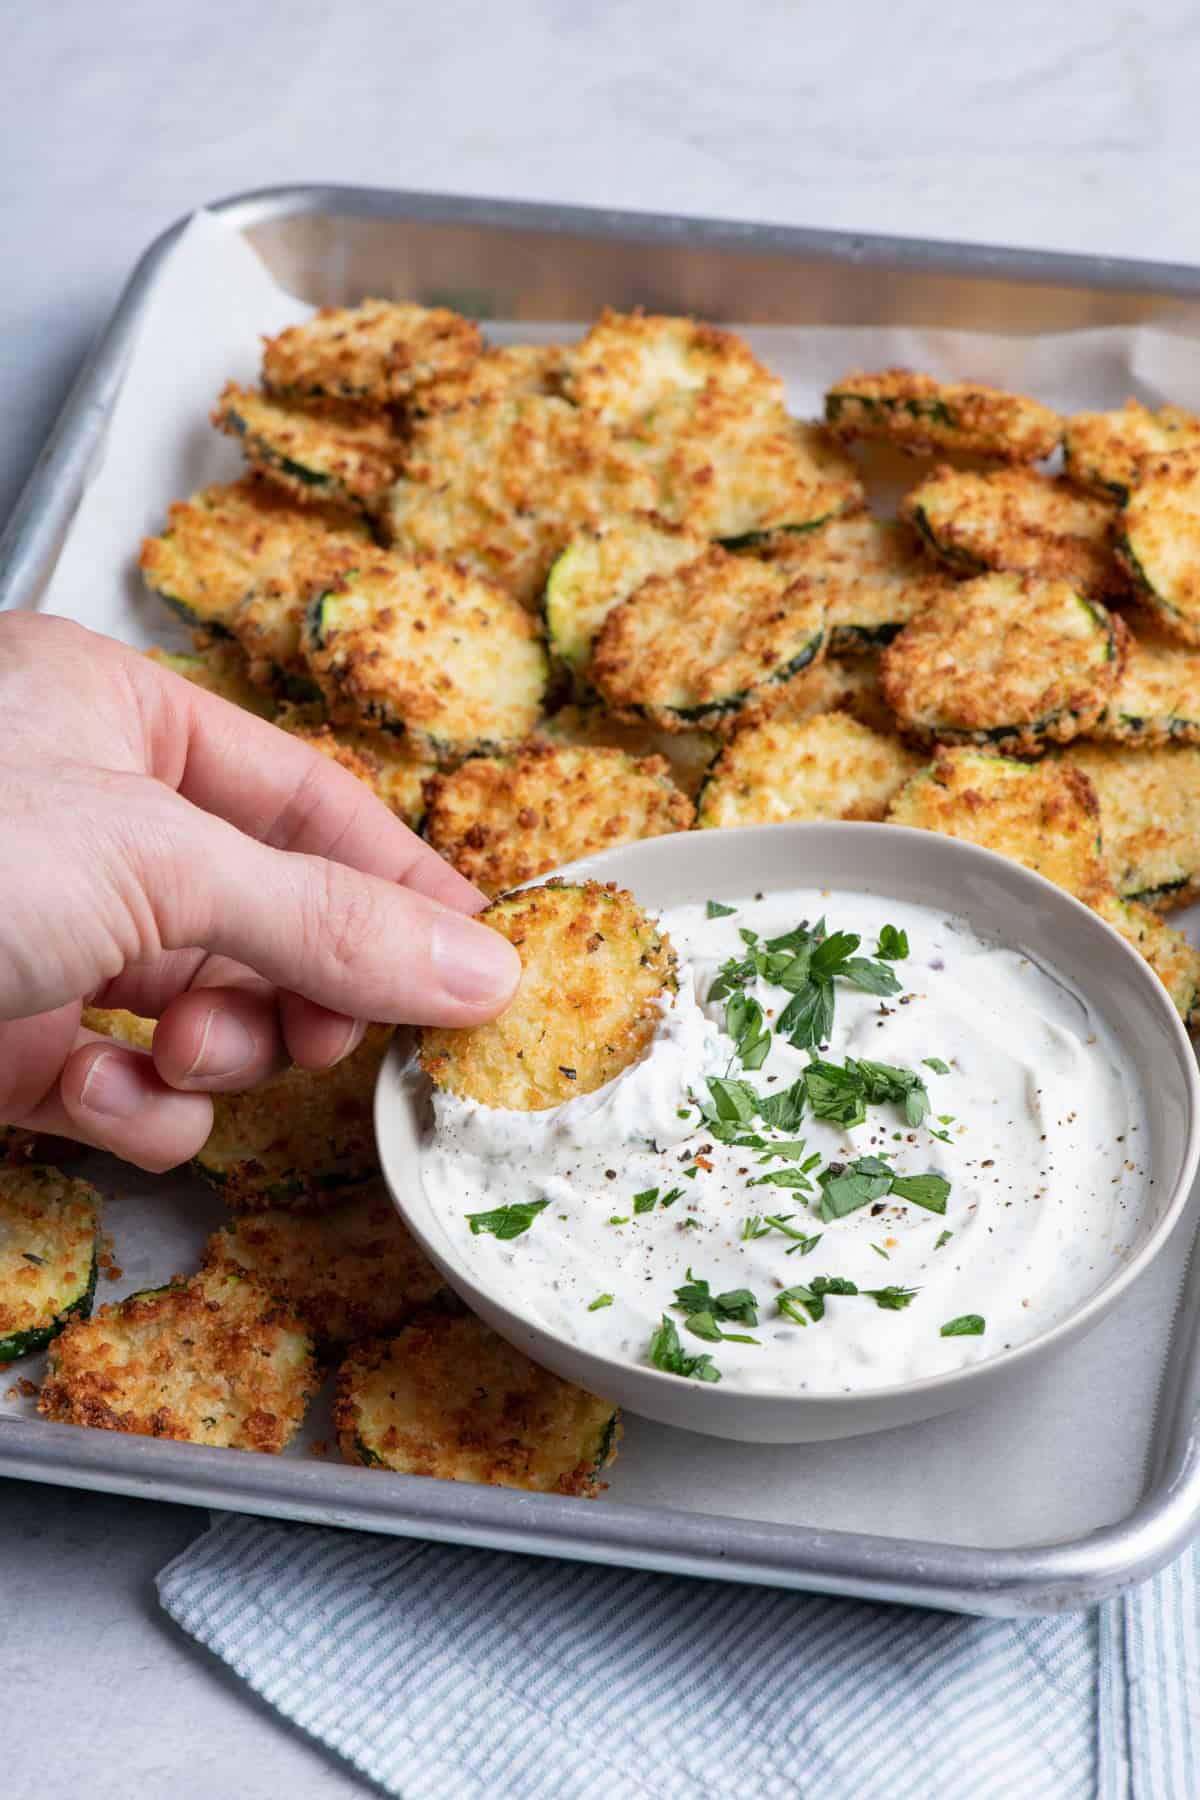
[[1005, 659], [1043, 814], [600, 568], [827, 767], [1159, 541], [872, 572], [418, 646], [379, 759], [1173, 959], [49, 1237], [328, 453], [1149, 819], [688, 753], [499, 374], [850, 687], [1157, 698], [214, 1360], [501, 486], [446, 1397], [300, 1140], [220, 668], [123, 1027], [376, 353], [1021, 520], [235, 539], [629, 363], [693, 647], [352, 1272], [503, 819], [923, 415], [735, 471], [596, 972], [1105, 450]]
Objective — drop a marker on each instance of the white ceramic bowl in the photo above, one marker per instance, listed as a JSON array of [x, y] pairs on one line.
[[997, 896]]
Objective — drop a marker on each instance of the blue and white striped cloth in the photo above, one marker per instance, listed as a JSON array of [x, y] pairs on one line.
[[451, 1674]]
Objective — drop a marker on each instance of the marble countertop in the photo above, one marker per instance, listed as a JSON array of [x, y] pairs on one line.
[[1049, 127]]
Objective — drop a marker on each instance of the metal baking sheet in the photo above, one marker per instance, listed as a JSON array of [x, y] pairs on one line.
[[815, 1517]]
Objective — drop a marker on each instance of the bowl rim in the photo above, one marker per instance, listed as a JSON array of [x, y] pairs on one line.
[[398, 1063]]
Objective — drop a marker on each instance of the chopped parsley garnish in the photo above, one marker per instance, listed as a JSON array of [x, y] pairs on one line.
[[891, 1299], [715, 909], [599, 1301], [645, 1201], [936, 1064], [943, 1239], [929, 1191], [805, 962], [788, 1178], [753, 1227], [619, 1219], [738, 1304], [893, 944], [782, 1222], [812, 1296], [667, 1353], [845, 1187], [880, 1251], [507, 1221], [839, 1092], [704, 1325], [745, 1024], [966, 1325]]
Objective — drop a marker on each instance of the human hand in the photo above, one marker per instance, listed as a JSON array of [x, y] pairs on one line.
[[163, 851]]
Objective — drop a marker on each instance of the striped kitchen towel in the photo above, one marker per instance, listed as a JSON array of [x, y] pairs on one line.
[[453, 1674]]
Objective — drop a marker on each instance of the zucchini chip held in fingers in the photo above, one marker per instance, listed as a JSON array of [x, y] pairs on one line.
[[502, 485], [324, 452], [300, 1141], [378, 759], [49, 1242], [599, 569], [219, 668], [376, 353], [1021, 520], [707, 641], [1042, 814], [923, 415], [826, 767], [1149, 818], [448, 1398], [1173, 959], [1105, 450], [214, 1360], [123, 1027], [1159, 541], [352, 1272], [874, 576], [502, 820], [595, 974], [1157, 699], [629, 363], [423, 648], [1006, 659]]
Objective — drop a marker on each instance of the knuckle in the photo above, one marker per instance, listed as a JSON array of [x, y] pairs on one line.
[[347, 920]]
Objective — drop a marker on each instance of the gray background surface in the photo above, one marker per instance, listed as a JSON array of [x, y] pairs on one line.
[[1047, 126]]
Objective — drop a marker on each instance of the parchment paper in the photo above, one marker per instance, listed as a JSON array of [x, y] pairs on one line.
[[1064, 1456]]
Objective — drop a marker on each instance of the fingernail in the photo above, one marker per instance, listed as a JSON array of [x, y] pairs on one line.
[[472, 962], [355, 1033], [113, 1085], [226, 1047]]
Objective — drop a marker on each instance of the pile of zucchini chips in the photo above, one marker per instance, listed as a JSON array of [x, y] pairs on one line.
[[552, 598]]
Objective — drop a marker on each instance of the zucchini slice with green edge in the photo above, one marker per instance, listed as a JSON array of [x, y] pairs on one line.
[[335, 453], [1157, 699], [598, 570], [49, 1247], [1159, 541], [448, 1398], [1149, 818], [420, 647], [300, 1140], [707, 641], [378, 759], [1174, 960], [1042, 814], [923, 415], [1019, 520], [1105, 450], [629, 363], [826, 767], [1008, 660], [215, 1360], [874, 576], [377, 352], [595, 974], [220, 668]]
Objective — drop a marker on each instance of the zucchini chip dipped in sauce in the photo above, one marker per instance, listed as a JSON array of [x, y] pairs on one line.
[[595, 973], [49, 1243], [924, 415], [825, 767]]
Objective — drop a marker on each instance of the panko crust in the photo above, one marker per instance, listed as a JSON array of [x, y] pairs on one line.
[[923, 415], [49, 1227], [1149, 819], [825, 767], [1043, 814], [687, 753], [123, 1027], [874, 576], [378, 759], [449, 1399], [595, 974], [1159, 541], [1174, 960], [214, 1360], [423, 647], [318, 453], [1005, 659], [849, 686], [501, 373], [1104, 451], [600, 568], [503, 485], [503, 820], [1157, 699], [692, 647], [629, 363], [377, 352], [1021, 520]]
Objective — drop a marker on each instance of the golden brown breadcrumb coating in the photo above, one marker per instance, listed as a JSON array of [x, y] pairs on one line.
[[924, 415], [825, 767]]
